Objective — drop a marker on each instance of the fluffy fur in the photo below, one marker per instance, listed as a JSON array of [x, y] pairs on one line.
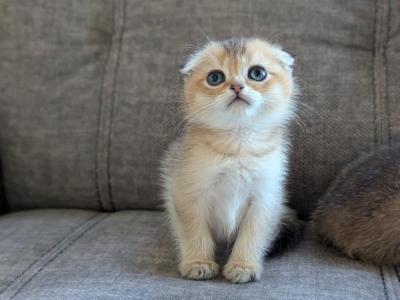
[[360, 213], [223, 180]]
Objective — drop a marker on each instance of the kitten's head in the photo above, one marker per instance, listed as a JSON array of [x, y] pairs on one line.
[[238, 82]]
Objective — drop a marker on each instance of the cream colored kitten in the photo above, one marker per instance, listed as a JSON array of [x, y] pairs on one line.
[[224, 179]]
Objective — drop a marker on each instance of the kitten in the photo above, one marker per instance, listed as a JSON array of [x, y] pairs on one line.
[[360, 213], [223, 180]]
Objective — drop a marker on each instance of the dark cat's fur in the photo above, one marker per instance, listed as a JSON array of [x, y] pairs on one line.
[[360, 213]]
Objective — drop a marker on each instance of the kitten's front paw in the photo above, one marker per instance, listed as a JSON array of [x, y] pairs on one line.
[[241, 272], [199, 270]]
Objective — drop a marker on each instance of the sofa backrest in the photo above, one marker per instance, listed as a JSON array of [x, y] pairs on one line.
[[89, 90]]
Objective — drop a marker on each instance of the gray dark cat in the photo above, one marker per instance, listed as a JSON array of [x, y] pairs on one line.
[[360, 213]]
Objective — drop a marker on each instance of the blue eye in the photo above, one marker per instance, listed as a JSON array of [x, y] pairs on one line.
[[215, 78], [257, 73]]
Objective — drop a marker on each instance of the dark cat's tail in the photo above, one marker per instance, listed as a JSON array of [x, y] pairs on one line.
[[290, 232]]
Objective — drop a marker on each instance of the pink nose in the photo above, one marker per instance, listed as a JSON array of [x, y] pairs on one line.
[[237, 88]]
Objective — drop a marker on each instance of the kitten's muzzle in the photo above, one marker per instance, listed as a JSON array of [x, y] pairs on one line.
[[238, 99]]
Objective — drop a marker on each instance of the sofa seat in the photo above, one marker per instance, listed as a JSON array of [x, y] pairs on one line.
[[78, 254]]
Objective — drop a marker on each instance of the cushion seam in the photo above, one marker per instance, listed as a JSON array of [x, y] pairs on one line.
[[107, 101], [380, 34], [113, 100], [60, 252], [391, 281], [98, 156], [69, 240], [385, 291], [389, 30], [48, 251]]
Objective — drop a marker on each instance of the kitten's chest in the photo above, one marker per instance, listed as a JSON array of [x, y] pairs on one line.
[[236, 178], [242, 172], [229, 196]]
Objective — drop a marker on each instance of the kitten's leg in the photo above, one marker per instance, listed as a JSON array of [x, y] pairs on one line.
[[195, 241], [256, 233]]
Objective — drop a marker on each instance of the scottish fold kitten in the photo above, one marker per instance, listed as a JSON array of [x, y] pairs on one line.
[[223, 180]]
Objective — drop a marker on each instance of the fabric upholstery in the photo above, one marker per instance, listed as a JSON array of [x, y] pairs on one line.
[[89, 90], [129, 255], [334, 48], [51, 68], [30, 237], [393, 71]]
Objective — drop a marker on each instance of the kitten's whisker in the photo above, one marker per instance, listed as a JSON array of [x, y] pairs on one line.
[[301, 125], [303, 107], [189, 46], [196, 113], [203, 33], [299, 122]]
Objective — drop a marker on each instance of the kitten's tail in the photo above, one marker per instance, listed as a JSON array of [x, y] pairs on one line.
[[290, 232]]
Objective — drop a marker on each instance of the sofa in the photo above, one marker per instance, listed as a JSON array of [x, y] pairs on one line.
[[89, 100]]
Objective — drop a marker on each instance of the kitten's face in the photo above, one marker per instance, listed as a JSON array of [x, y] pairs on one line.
[[238, 83]]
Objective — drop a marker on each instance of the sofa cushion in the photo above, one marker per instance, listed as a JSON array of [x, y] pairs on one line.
[[392, 71], [52, 58], [89, 90], [130, 255], [31, 237], [334, 45]]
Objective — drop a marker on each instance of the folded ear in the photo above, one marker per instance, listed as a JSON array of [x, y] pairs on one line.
[[191, 63], [286, 60], [195, 59]]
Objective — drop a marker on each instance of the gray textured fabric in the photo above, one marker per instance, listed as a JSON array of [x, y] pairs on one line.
[[129, 255], [89, 90], [392, 57], [51, 68], [334, 45], [28, 237]]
